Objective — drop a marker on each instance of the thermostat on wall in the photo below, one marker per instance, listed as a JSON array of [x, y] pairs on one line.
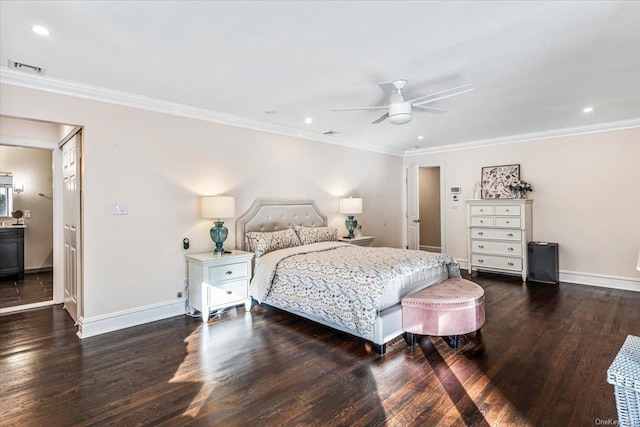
[[455, 190]]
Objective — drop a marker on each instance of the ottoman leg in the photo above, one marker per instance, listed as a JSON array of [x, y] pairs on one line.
[[410, 339], [452, 341]]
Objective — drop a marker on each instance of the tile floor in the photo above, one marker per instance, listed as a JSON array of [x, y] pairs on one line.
[[35, 287]]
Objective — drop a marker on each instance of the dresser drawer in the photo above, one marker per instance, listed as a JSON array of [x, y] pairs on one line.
[[228, 272], [227, 293], [494, 233], [508, 210], [482, 221], [507, 222], [493, 261], [506, 248], [482, 210]]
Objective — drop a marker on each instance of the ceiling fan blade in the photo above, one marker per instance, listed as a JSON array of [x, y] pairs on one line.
[[382, 118], [359, 108], [441, 95], [387, 87], [428, 109]]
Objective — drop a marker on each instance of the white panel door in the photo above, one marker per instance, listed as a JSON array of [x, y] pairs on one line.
[[413, 208], [71, 217]]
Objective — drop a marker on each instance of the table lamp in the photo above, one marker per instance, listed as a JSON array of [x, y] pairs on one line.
[[218, 207], [350, 207]]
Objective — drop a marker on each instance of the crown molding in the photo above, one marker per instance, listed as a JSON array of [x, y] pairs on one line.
[[95, 93], [515, 139]]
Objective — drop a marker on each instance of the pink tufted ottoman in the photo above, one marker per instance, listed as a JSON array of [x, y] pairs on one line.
[[449, 308]]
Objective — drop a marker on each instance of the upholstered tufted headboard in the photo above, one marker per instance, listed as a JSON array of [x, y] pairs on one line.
[[278, 214]]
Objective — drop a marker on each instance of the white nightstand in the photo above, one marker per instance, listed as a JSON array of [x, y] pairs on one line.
[[360, 241], [219, 281]]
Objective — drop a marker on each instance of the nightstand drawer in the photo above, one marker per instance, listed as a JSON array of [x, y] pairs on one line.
[[482, 210], [228, 272], [508, 222], [227, 293], [508, 210], [506, 248], [493, 233], [491, 261], [482, 221]]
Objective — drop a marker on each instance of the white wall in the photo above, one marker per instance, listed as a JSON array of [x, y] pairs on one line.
[[586, 197], [160, 164]]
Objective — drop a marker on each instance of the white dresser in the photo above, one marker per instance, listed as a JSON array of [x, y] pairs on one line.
[[499, 231], [219, 281]]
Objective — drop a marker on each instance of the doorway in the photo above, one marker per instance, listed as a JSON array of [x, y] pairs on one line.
[[48, 136], [426, 207], [30, 282]]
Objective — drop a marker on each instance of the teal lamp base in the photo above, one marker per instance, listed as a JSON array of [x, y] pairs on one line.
[[219, 234], [351, 225]]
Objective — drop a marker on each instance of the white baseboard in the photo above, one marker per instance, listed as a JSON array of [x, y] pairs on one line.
[[25, 307], [589, 279], [601, 280], [89, 327]]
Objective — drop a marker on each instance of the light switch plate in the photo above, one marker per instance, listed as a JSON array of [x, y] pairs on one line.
[[119, 208]]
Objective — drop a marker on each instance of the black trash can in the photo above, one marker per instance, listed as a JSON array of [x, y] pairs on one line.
[[543, 262]]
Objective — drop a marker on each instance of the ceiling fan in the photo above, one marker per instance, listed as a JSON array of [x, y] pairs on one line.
[[400, 110]]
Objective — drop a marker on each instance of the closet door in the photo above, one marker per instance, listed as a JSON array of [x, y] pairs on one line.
[[71, 213]]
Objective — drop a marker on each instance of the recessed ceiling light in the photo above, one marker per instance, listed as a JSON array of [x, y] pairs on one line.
[[308, 120], [421, 137], [587, 109], [39, 29]]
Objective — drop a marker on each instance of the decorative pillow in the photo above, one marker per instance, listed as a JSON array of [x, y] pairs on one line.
[[264, 242], [310, 235]]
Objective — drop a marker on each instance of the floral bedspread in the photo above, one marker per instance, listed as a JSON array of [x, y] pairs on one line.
[[337, 282]]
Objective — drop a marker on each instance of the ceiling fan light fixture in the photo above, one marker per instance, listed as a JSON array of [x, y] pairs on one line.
[[400, 113], [400, 119]]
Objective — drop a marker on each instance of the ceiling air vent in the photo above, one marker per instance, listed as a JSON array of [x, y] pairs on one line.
[[26, 67]]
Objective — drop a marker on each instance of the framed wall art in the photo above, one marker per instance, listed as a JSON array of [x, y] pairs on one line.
[[496, 181]]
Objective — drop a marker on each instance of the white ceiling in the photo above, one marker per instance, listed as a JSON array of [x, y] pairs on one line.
[[534, 65]]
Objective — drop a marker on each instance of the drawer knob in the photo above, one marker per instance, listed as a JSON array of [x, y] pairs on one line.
[[481, 222], [510, 234], [480, 260], [510, 263], [481, 210], [480, 233], [481, 246], [508, 222], [507, 210], [228, 292], [229, 272], [510, 249]]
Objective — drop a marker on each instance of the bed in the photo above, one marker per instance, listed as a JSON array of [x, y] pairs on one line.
[[347, 287]]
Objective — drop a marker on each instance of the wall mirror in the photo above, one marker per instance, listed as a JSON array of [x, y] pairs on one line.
[[6, 194]]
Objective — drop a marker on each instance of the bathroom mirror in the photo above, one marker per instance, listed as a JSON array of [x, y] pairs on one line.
[[6, 194]]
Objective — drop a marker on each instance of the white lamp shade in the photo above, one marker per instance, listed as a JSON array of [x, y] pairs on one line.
[[350, 206], [218, 207]]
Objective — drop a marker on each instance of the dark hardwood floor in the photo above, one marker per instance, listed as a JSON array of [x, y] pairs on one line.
[[34, 287], [546, 352]]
